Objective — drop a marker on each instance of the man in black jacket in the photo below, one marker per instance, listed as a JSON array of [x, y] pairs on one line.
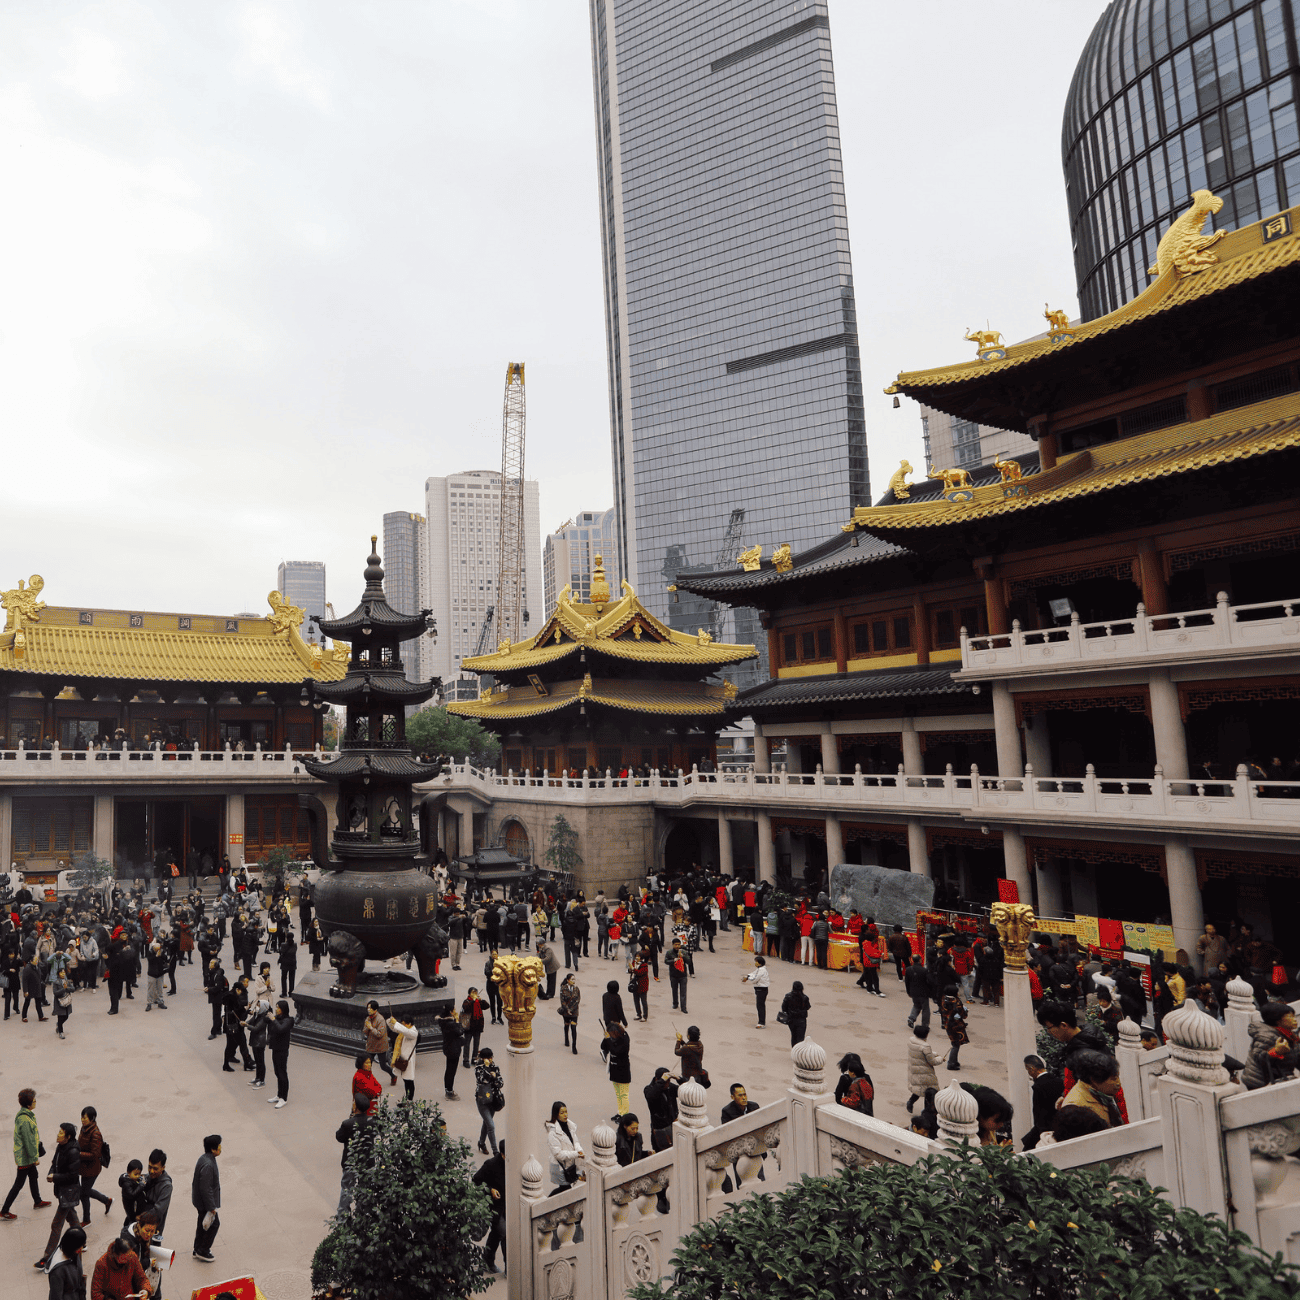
[[917, 983], [738, 1105], [205, 1196], [492, 1175], [356, 1128], [1045, 1090], [236, 1013], [611, 1005], [661, 1099]]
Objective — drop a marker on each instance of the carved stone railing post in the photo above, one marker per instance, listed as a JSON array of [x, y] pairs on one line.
[[1128, 1052], [603, 1142], [1015, 925], [518, 978], [807, 1091], [596, 1223], [691, 1124], [1240, 1013], [958, 1113], [1193, 1085]]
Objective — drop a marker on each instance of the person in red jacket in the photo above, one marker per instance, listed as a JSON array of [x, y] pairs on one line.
[[118, 1273], [806, 922], [364, 1080]]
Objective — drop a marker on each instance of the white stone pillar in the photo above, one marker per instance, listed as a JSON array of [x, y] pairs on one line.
[[762, 753], [6, 829], [1038, 745], [834, 844], [918, 860], [692, 1121], [807, 1091], [531, 1191], [724, 844], [766, 849], [830, 751], [1006, 731], [235, 827], [1128, 1052], [1191, 1089], [913, 759], [1167, 724], [1049, 887], [102, 831], [1015, 861], [1185, 911], [1021, 1031], [467, 832], [1240, 1013]]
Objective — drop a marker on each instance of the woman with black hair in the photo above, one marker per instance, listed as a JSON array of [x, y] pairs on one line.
[[925, 1123], [566, 1150], [629, 1145], [65, 1174], [854, 1088], [615, 1048], [795, 1007], [994, 1116]]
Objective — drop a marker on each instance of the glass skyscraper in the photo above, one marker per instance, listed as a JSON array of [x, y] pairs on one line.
[[302, 583], [734, 375], [405, 582], [1173, 96]]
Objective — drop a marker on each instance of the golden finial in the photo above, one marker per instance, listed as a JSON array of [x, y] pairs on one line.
[[585, 689], [1058, 324], [1009, 469], [952, 478], [781, 558], [517, 979], [1015, 924], [704, 637], [985, 341], [750, 560], [599, 584], [729, 690], [283, 615], [898, 484], [22, 604]]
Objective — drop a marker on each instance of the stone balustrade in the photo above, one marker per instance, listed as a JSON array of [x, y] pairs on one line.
[[108, 766]]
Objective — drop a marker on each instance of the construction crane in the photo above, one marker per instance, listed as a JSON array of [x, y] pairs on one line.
[[485, 633], [509, 606], [727, 553]]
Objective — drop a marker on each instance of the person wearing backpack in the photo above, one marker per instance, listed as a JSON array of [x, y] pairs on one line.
[[678, 975], [95, 1158]]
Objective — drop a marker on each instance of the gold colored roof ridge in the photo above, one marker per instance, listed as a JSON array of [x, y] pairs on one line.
[[576, 626], [697, 698], [1242, 255], [1273, 425]]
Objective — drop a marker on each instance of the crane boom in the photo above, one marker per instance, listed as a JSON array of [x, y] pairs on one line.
[[509, 606], [726, 559]]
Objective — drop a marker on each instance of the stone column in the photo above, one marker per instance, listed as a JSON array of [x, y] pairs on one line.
[[235, 826], [1015, 926], [1038, 745], [531, 1190], [762, 752], [766, 849], [518, 978], [830, 750], [1184, 895], [1049, 887], [918, 860], [724, 844], [1015, 861], [1006, 732], [1191, 1090], [913, 759], [1128, 1053], [1240, 1013], [958, 1113], [102, 830], [834, 843], [467, 831], [6, 829], [807, 1091], [692, 1121], [1167, 723]]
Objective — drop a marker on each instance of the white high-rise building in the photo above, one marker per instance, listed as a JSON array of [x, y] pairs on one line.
[[569, 555], [464, 538], [406, 549]]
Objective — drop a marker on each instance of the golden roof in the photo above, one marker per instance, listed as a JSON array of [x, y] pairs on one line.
[[1243, 255], [1229, 436], [624, 629], [63, 641], [616, 693]]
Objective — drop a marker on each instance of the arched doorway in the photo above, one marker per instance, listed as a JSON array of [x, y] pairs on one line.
[[682, 847], [515, 838]]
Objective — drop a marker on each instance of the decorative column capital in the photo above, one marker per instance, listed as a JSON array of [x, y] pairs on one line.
[[692, 1106], [531, 1175], [603, 1143], [1130, 1034], [958, 1113], [809, 1069], [518, 978], [1015, 925], [1195, 1046], [1241, 997]]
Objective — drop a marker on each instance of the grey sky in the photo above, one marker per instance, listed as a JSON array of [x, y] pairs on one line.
[[238, 237]]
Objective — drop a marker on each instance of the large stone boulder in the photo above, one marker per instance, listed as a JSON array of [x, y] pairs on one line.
[[892, 897]]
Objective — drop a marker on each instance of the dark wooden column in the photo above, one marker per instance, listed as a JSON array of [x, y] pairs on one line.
[[841, 643], [921, 622], [1151, 568]]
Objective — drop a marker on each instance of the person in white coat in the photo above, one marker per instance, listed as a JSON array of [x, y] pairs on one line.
[[921, 1062], [404, 1054], [758, 977], [566, 1150]]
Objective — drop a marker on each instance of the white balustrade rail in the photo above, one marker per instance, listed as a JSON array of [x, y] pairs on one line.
[[1271, 625], [92, 766]]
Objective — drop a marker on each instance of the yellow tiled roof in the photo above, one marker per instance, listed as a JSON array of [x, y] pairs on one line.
[[1243, 255], [616, 693], [1229, 436], [53, 641], [575, 626]]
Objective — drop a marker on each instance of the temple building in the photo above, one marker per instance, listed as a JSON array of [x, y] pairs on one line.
[[1079, 669], [605, 687], [134, 734]]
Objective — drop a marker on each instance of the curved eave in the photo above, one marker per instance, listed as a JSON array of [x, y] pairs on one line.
[[380, 615], [1183, 449], [387, 686], [658, 698], [390, 767], [709, 655]]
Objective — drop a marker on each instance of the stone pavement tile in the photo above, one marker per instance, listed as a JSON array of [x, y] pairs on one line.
[[157, 1081]]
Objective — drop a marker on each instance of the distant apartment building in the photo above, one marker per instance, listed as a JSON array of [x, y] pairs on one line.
[[951, 443], [569, 555], [463, 555], [302, 583], [406, 582]]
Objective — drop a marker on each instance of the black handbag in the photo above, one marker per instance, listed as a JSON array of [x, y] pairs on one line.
[[782, 1018], [105, 1154]]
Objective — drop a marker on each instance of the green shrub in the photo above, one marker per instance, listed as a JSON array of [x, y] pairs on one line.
[[412, 1230], [982, 1224]]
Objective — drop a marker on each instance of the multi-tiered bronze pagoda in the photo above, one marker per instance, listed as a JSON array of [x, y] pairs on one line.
[[375, 900]]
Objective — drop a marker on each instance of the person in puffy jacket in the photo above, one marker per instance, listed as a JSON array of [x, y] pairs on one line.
[[921, 1062], [1274, 1046]]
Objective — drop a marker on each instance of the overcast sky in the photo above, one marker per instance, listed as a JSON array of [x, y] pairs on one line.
[[264, 263]]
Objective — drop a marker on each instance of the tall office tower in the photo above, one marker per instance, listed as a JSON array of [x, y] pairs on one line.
[[734, 376], [569, 554], [1169, 97], [462, 558], [406, 547], [302, 583], [951, 443]]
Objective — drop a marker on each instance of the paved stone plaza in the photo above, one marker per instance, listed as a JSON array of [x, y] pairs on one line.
[[157, 1081]]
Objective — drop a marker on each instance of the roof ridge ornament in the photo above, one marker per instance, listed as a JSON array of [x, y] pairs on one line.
[[1059, 329], [600, 592], [22, 604], [781, 559], [1183, 246], [898, 485], [283, 616], [988, 344], [749, 560]]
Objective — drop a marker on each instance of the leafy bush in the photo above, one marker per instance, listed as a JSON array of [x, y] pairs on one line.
[[435, 731], [982, 1224], [412, 1230], [562, 846], [88, 870]]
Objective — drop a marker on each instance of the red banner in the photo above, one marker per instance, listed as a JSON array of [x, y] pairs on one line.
[[1008, 890]]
